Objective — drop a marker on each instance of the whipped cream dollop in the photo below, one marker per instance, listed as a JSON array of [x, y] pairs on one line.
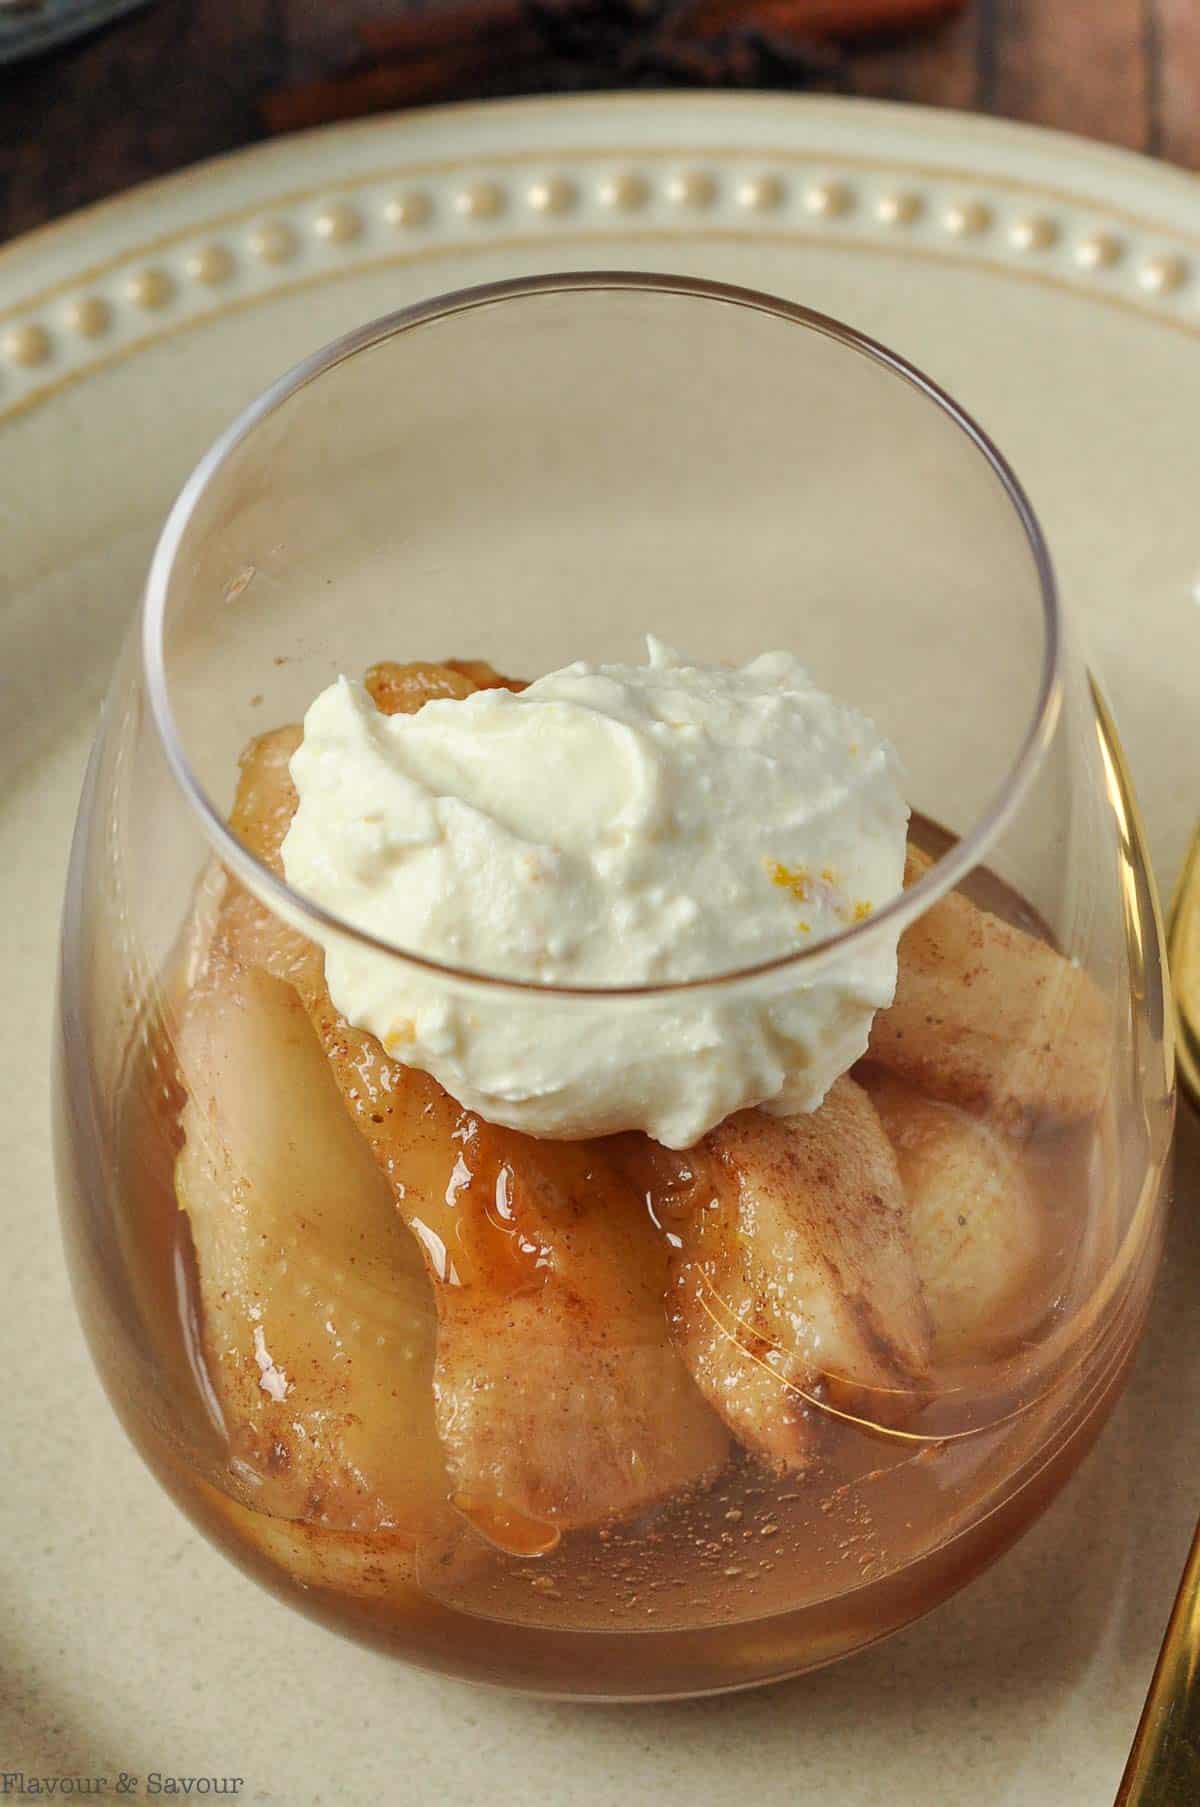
[[610, 825]]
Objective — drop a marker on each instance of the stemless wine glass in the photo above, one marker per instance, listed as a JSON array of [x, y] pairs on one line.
[[323, 1342]]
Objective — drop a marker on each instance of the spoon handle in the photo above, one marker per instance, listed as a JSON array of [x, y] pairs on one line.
[[1164, 1765], [1183, 945]]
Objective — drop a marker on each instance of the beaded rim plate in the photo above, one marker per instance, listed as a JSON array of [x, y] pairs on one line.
[[386, 207], [1053, 287]]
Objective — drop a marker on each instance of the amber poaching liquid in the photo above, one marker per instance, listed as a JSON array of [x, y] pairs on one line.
[[757, 1577]]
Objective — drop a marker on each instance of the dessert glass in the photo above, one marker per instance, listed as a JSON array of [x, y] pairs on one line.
[[531, 473]]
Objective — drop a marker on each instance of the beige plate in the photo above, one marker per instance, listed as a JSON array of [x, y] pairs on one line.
[[1054, 287]]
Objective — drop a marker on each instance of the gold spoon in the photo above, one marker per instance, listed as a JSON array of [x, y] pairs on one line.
[[1183, 950], [1164, 1764]]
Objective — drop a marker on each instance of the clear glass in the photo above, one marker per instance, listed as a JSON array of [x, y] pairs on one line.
[[304, 1278]]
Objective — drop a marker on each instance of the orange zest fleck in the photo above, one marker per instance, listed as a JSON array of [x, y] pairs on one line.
[[790, 878]]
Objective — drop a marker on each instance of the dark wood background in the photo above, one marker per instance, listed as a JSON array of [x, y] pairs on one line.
[[183, 79]]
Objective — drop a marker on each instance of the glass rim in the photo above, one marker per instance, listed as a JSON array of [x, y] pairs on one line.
[[896, 913]]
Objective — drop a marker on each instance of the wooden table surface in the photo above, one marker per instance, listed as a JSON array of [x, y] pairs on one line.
[[183, 79]]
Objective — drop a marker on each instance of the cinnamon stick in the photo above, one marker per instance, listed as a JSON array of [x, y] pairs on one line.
[[854, 18], [832, 19], [492, 19], [482, 45], [416, 34], [416, 80]]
